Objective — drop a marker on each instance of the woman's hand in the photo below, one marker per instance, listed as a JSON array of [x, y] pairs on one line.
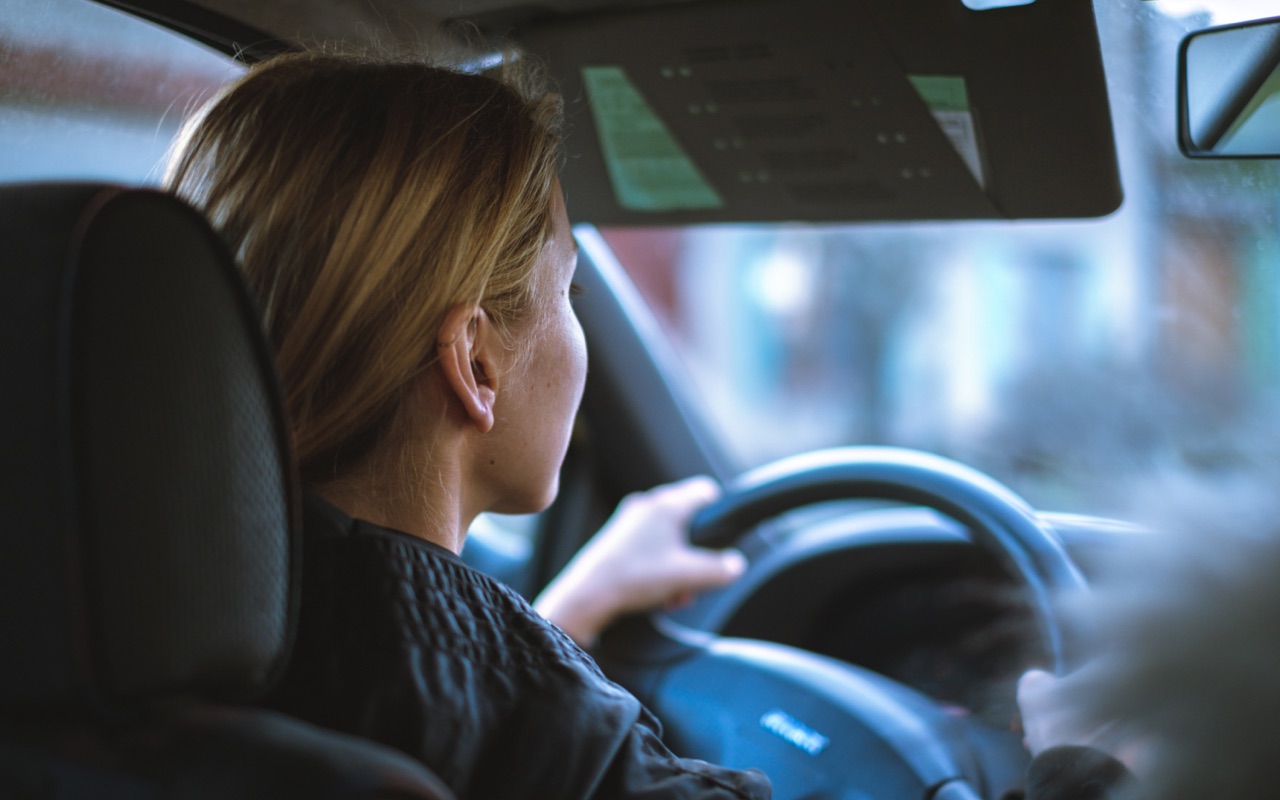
[[1047, 720], [641, 559], [1049, 706]]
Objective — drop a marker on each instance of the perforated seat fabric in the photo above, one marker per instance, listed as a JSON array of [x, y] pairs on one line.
[[207, 753], [149, 554], [146, 478]]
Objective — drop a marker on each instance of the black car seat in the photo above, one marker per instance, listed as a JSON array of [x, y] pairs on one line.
[[148, 549]]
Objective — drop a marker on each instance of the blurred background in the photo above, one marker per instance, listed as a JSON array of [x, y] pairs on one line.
[[1063, 358], [1067, 359]]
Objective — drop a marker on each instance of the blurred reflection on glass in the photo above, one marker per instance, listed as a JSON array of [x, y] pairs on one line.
[[1064, 358], [89, 93]]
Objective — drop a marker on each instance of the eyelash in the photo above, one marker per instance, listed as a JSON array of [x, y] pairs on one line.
[[576, 290]]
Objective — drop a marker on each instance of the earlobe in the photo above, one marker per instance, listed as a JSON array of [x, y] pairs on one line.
[[463, 350]]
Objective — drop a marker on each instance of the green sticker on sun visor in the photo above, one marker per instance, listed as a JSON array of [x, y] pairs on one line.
[[947, 99], [647, 167], [941, 92]]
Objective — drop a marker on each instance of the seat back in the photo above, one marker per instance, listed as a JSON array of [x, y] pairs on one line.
[[148, 549], [146, 479]]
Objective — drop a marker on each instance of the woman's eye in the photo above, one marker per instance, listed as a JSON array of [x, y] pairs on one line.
[[575, 289]]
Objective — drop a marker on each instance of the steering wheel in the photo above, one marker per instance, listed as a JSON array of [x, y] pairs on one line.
[[821, 728]]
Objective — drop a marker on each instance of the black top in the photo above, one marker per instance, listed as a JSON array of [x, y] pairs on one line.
[[402, 642]]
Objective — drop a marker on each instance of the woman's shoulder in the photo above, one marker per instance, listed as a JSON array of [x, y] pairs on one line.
[[374, 584], [403, 642]]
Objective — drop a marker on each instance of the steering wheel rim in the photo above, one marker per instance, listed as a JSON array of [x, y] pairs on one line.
[[709, 689], [999, 520]]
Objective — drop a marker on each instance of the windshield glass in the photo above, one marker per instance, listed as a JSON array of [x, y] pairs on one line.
[[1063, 358]]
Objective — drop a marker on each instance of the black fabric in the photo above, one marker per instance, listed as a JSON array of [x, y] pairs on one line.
[[237, 753], [148, 553], [38, 662], [206, 753], [182, 474], [148, 493], [1073, 772], [402, 642]]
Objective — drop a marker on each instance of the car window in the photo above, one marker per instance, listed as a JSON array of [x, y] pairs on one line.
[[1062, 357], [87, 92]]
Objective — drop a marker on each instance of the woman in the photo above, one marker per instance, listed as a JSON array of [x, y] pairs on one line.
[[405, 234], [323, 243]]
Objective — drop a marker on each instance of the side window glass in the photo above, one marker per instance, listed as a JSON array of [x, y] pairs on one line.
[[90, 93]]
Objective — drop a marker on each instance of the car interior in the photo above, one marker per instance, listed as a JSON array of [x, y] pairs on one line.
[[897, 585]]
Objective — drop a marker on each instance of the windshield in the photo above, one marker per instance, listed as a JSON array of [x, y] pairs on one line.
[[1063, 358]]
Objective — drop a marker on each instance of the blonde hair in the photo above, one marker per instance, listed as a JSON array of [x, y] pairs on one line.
[[364, 198]]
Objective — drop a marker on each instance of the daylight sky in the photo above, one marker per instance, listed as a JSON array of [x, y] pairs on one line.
[[1224, 11]]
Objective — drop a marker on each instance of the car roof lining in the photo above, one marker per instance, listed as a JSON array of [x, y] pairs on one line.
[[770, 110]]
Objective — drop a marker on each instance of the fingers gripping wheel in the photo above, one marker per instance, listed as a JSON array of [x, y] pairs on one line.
[[1000, 522], [705, 688]]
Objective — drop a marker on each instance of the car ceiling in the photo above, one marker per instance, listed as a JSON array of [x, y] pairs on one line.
[[775, 110]]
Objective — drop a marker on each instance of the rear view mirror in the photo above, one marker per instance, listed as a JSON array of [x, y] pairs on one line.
[[1229, 91]]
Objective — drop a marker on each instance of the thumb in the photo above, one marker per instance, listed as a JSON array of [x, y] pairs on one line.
[[1034, 686]]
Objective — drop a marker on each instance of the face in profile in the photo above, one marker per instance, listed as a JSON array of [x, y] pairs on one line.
[[535, 411]]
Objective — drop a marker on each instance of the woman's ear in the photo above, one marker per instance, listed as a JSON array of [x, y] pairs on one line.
[[467, 348]]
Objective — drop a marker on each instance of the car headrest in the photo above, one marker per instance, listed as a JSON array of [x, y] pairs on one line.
[[147, 497]]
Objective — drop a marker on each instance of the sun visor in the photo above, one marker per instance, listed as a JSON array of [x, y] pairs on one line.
[[832, 110]]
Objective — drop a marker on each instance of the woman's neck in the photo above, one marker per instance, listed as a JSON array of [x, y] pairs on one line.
[[421, 478], [403, 499]]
